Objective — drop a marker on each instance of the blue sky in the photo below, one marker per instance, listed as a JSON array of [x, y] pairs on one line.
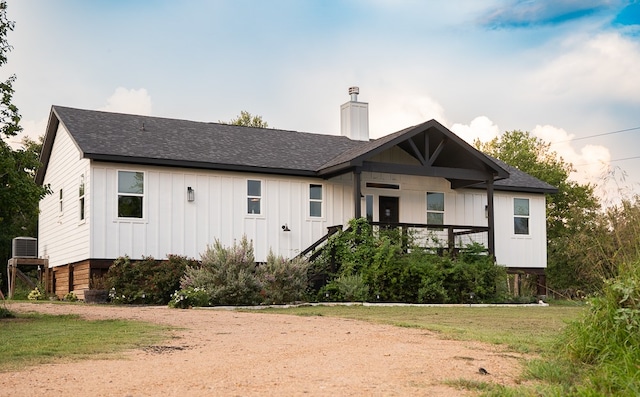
[[562, 69]]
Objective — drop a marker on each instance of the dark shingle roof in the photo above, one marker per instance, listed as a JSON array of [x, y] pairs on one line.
[[521, 181], [136, 139], [518, 181], [115, 136]]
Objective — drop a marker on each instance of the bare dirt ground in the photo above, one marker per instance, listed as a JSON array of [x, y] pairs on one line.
[[230, 353]]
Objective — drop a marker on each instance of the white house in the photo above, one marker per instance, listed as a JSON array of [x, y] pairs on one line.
[[148, 186]]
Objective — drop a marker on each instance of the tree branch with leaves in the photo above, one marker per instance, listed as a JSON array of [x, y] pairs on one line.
[[19, 194], [248, 120]]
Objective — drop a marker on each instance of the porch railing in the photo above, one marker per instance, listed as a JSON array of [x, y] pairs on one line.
[[437, 238], [452, 238]]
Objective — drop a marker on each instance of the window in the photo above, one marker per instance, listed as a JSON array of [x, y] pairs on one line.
[[130, 194], [60, 203], [521, 216], [81, 197], [254, 196], [315, 201], [435, 208], [369, 207]]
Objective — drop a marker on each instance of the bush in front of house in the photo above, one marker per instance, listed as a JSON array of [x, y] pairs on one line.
[[394, 269], [349, 288], [148, 281], [283, 280], [36, 295], [189, 297], [228, 274]]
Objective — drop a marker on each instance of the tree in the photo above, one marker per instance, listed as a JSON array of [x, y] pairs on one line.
[[571, 213], [19, 194], [248, 120]]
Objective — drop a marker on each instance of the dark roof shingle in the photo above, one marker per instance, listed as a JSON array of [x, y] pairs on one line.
[[123, 136]]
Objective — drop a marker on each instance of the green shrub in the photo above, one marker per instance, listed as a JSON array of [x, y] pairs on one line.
[[473, 277], [351, 250], [352, 288], [189, 297], [6, 313], [330, 293], [228, 274], [282, 280], [148, 281], [607, 338], [36, 295], [396, 269], [70, 297]]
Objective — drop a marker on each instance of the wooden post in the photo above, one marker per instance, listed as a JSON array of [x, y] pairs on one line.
[[541, 283], [12, 266], [491, 220], [69, 277]]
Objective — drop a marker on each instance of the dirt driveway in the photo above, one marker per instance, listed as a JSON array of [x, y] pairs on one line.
[[228, 353]]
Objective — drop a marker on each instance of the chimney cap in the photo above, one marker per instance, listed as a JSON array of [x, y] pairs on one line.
[[354, 91]]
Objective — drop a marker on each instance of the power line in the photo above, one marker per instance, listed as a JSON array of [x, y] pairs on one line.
[[597, 135], [610, 161]]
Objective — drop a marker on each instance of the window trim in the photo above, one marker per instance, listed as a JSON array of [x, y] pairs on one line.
[[312, 200], [143, 195], [260, 198], [61, 203], [528, 217], [369, 204], [82, 208], [435, 211]]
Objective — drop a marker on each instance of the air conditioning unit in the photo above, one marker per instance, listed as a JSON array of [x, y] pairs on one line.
[[24, 247]]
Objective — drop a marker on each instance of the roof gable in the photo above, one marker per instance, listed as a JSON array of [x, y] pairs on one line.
[[439, 151]]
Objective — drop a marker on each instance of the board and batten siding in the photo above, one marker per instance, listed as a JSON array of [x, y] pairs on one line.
[[62, 236], [524, 251], [512, 250], [173, 225]]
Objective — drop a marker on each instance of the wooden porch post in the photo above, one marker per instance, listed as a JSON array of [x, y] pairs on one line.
[[491, 219], [70, 277], [357, 193]]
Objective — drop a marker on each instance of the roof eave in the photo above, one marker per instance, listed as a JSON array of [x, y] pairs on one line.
[[198, 165], [519, 189], [47, 145]]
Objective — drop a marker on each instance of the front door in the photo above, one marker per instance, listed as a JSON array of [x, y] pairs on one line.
[[389, 209]]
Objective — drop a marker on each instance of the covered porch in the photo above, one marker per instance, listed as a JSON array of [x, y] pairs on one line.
[[426, 150]]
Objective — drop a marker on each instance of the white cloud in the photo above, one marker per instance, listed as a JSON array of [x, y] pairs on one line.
[[395, 112], [31, 129], [591, 162], [481, 128], [123, 100], [129, 101], [601, 68]]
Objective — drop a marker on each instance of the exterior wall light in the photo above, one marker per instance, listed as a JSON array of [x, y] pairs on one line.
[[191, 194]]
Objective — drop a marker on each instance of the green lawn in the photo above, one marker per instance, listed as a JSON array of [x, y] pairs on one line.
[[523, 329], [32, 339]]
